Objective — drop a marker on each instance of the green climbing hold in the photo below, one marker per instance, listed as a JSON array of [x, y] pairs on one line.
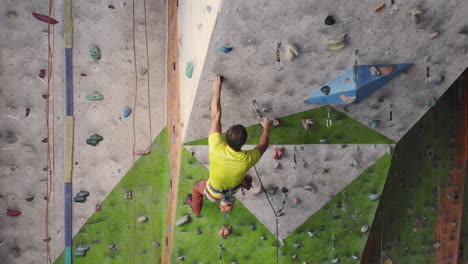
[[95, 53], [189, 69], [431, 102], [94, 139], [81, 250], [374, 123], [95, 96]]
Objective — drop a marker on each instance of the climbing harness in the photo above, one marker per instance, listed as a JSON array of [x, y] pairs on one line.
[[279, 66], [277, 214], [329, 121]]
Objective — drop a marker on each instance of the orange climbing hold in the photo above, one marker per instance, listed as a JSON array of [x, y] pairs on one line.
[[278, 153]]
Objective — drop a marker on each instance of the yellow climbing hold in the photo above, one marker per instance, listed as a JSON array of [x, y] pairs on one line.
[[347, 99]]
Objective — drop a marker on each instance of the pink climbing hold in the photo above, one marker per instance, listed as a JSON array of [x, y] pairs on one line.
[[276, 122], [142, 152], [98, 207], [12, 212], [45, 18], [42, 73], [278, 153]]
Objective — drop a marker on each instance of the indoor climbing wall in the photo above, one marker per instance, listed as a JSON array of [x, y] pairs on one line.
[[276, 59], [405, 227], [104, 86]]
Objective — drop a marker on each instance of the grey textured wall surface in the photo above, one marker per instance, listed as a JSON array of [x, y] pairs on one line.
[[254, 27]]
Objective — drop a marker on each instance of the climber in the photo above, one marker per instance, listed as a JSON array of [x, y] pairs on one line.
[[228, 162]]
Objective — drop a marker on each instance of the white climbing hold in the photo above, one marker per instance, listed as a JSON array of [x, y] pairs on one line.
[[374, 71], [364, 228], [142, 219], [291, 52]]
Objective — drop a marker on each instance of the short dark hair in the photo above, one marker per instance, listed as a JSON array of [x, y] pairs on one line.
[[236, 136]]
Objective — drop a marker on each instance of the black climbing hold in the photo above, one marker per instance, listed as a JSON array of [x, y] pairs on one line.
[[329, 20], [336, 217], [325, 90], [44, 140], [284, 190], [298, 245]]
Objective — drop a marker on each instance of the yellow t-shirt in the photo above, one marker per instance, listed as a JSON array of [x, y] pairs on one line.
[[228, 167]]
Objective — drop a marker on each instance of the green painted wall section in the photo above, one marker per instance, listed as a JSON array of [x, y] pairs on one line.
[[243, 245], [411, 189], [246, 246], [113, 224], [342, 218], [344, 130]]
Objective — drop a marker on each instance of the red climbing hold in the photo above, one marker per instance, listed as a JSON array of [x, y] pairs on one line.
[[45, 18], [42, 73], [84, 74], [28, 110], [11, 212], [111, 7], [142, 152]]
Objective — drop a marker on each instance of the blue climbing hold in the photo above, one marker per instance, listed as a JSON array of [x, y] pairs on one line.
[[374, 123], [374, 196], [226, 49], [345, 90], [126, 112], [253, 227]]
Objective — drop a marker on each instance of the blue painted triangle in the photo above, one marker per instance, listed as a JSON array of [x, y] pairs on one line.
[[343, 90]]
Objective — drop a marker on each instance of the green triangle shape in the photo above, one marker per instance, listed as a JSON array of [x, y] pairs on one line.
[[203, 248], [110, 224], [343, 216], [344, 130]]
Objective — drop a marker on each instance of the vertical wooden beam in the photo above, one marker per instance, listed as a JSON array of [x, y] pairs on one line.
[[448, 230], [173, 121]]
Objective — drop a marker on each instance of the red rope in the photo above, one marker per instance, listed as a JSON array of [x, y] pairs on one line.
[[49, 160], [134, 136]]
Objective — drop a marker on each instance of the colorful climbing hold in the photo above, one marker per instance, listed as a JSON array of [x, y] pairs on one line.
[[42, 73], [95, 53], [111, 6], [13, 212], [226, 49], [431, 102], [374, 123], [225, 231], [307, 123], [278, 153], [45, 18], [98, 207], [94, 96], [364, 228], [128, 194], [252, 227], [81, 250], [379, 8], [142, 219], [291, 52], [189, 69], [184, 220], [374, 196], [329, 20], [94, 139], [126, 112], [142, 152]]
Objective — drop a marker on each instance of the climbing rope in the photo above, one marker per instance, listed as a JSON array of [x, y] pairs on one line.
[[150, 135], [49, 178], [274, 211], [134, 134]]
